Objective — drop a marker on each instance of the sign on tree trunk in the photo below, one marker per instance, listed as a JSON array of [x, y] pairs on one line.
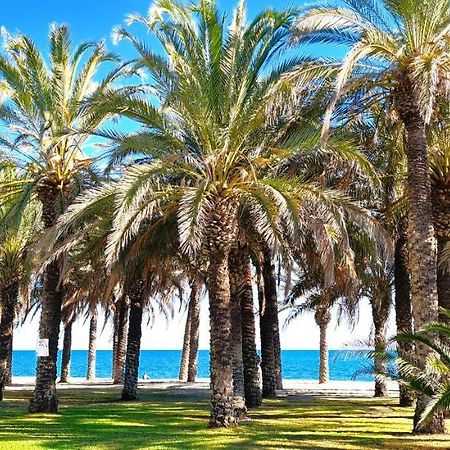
[[42, 348]]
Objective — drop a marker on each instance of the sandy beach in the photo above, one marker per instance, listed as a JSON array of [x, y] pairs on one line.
[[291, 387]]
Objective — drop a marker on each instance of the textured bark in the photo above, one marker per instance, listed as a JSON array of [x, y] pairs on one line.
[[236, 324], [441, 222], [403, 313], [120, 340], [9, 294], [45, 397], [92, 350], [421, 239], [443, 281], [269, 329], [323, 317], [221, 234], [380, 314], [236, 335], [9, 364], [194, 305], [252, 379], [66, 353], [184, 362], [130, 385]]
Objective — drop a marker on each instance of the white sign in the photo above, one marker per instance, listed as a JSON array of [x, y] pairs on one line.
[[42, 347]]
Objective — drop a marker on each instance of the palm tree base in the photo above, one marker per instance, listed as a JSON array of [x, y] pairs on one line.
[[44, 403], [436, 425], [406, 396], [269, 393], [240, 409], [129, 396], [380, 390], [223, 413], [253, 397]]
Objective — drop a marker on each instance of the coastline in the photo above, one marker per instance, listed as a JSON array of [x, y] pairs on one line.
[[334, 388]]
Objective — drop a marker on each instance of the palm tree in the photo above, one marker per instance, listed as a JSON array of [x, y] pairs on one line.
[[46, 100], [120, 333], [316, 293], [398, 56], [403, 313], [135, 290], [241, 277], [189, 357], [431, 379], [270, 336], [194, 305], [92, 345], [236, 333], [66, 353], [207, 151], [440, 188], [184, 362], [15, 268], [209, 136]]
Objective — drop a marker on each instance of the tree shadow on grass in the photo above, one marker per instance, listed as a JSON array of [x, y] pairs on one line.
[[95, 419]]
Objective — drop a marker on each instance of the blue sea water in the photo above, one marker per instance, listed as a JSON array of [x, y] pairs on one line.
[[160, 364]]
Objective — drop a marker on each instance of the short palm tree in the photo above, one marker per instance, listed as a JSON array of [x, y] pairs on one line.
[[46, 102], [398, 55], [431, 379]]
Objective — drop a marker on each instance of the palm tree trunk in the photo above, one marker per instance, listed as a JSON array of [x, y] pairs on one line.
[[323, 318], [441, 222], [92, 352], [45, 398], [130, 385], [182, 375], [66, 353], [120, 340], [269, 328], [9, 365], [236, 333], [443, 280], [194, 305], [421, 239], [252, 380], [380, 314], [9, 294], [222, 231], [403, 313]]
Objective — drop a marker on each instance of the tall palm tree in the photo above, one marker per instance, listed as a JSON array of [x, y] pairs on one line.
[[241, 276], [205, 146], [47, 99], [120, 332], [440, 188], [92, 344], [207, 149], [313, 292], [15, 266], [403, 313], [398, 55]]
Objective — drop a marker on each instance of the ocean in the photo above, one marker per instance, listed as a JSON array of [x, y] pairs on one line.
[[164, 364]]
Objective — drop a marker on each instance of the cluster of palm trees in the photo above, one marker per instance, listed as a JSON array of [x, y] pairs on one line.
[[233, 157]]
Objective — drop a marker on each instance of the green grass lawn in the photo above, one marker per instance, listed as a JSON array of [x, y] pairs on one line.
[[96, 419]]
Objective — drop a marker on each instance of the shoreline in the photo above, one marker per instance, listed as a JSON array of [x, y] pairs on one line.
[[334, 388]]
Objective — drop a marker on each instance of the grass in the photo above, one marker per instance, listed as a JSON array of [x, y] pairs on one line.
[[95, 419]]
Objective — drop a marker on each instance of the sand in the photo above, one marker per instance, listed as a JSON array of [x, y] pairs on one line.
[[291, 387]]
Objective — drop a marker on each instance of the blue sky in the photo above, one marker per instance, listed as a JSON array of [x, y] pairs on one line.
[[94, 20]]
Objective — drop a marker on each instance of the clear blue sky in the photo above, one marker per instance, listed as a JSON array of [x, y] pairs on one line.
[[94, 20]]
